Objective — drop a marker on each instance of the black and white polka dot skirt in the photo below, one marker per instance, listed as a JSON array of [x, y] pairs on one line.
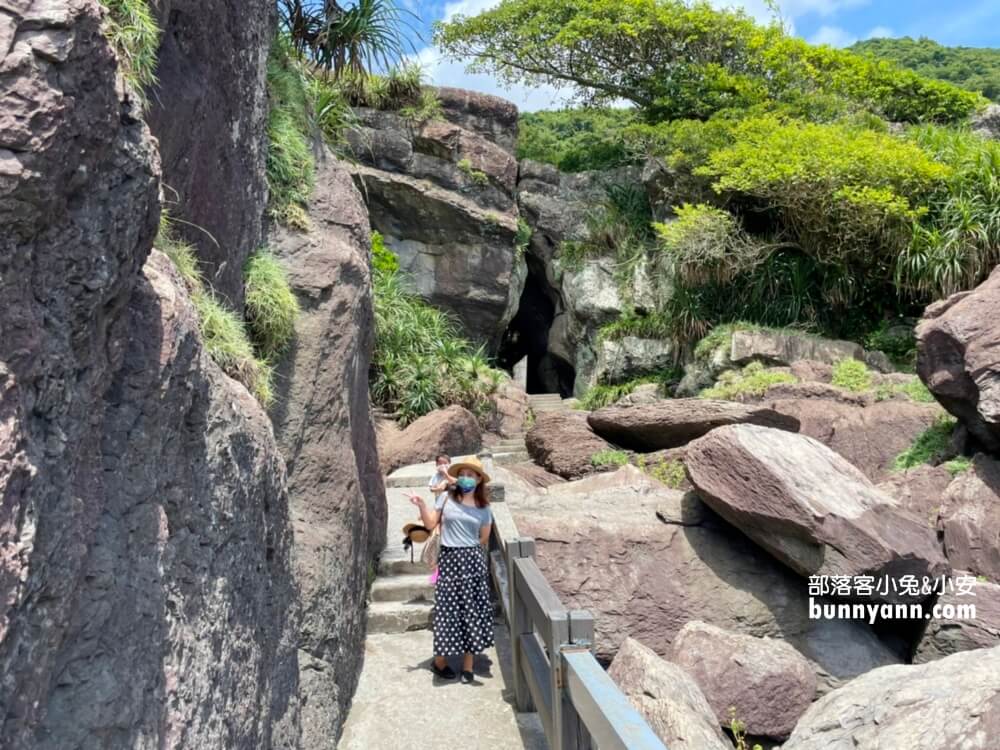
[[463, 614]]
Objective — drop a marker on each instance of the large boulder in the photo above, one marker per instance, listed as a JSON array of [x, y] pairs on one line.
[[563, 443], [443, 196], [808, 506], [869, 436], [452, 430], [970, 519], [670, 423], [784, 348], [323, 423], [630, 357], [968, 618], [492, 117], [647, 560], [668, 699], [958, 357], [768, 683], [949, 703], [920, 490], [208, 110]]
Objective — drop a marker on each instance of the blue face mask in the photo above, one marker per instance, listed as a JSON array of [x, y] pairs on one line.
[[466, 484]]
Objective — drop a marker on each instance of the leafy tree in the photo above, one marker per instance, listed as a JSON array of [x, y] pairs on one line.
[[576, 140], [677, 59]]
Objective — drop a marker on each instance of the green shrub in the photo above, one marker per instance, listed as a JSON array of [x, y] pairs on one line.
[[900, 346], [420, 362], [852, 375], [271, 305], [576, 140], [671, 473], [706, 244], [601, 395], [609, 458], [384, 261], [333, 115], [930, 446], [753, 380], [958, 465], [133, 33]]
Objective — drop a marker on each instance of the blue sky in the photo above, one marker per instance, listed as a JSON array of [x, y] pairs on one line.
[[971, 23]]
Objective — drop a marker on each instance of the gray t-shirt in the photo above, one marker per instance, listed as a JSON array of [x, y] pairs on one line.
[[461, 523]]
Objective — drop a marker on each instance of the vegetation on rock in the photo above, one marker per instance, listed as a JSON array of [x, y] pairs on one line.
[[752, 380], [852, 375], [609, 458], [271, 305], [931, 446], [132, 30]]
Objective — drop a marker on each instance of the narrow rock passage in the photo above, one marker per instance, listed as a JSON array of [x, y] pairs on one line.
[[399, 703]]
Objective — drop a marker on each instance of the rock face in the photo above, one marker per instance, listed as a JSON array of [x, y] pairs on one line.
[[869, 436], [958, 358], [443, 197], [213, 141], [952, 702], [671, 423], [958, 632], [777, 348], [668, 699], [453, 431], [768, 682], [324, 426], [602, 545], [919, 490], [970, 519], [145, 544], [630, 358], [563, 444], [987, 122], [808, 507]]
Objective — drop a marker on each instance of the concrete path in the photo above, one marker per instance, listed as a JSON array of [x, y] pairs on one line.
[[400, 704]]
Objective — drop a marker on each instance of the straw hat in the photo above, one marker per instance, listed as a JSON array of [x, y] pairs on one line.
[[469, 462], [416, 532]]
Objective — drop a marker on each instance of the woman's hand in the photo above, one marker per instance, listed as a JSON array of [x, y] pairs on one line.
[[415, 499]]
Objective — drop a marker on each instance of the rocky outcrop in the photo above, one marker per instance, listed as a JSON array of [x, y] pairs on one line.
[[647, 560], [145, 546], [443, 197], [919, 490], [670, 423], [952, 702], [955, 630], [958, 358], [492, 117], [668, 699], [987, 122], [628, 358], [808, 507], [563, 443], [324, 426], [453, 431], [768, 683], [970, 519], [209, 112], [870, 436]]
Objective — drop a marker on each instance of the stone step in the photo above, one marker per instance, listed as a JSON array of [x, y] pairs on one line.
[[506, 459], [399, 617], [408, 587], [402, 566], [507, 445]]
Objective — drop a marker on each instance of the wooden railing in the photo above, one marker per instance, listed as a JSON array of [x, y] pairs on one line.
[[554, 669]]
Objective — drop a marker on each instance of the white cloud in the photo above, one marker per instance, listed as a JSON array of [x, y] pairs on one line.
[[822, 8], [834, 36], [880, 32]]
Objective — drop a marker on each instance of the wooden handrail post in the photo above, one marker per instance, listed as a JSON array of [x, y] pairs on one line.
[[581, 637], [520, 620], [559, 624]]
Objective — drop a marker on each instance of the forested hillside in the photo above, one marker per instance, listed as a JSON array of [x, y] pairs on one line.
[[972, 68]]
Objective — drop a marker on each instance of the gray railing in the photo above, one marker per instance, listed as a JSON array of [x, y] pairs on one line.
[[554, 669]]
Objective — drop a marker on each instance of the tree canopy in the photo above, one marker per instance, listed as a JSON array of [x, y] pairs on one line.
[[676, 59], [973, 68]]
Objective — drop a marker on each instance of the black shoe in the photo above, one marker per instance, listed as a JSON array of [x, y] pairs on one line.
[[467, 677], [445, 674]]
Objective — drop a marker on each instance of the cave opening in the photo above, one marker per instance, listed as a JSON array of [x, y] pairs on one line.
[[527, 336]]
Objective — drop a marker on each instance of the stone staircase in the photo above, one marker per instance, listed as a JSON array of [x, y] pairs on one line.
[[512, 450]]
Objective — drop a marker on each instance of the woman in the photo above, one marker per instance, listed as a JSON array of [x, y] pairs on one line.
[[463, 614]]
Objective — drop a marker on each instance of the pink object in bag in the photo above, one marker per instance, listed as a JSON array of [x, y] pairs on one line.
[[434, 575]]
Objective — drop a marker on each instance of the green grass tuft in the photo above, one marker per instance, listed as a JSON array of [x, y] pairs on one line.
[[958, 465], [290, 163], [753, 380], [271, 306], [226, 340], [183, 255], [670, 473], [930, 445], [609, 458], [132, 31], [852, 375]]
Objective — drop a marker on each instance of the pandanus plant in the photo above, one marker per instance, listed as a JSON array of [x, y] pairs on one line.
[[356, 39]]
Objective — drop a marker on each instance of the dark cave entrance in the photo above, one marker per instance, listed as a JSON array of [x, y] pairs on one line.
[[528, 336]]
